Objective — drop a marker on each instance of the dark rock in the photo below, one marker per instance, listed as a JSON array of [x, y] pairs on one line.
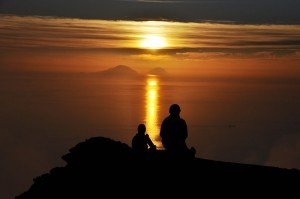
[[103, 168]]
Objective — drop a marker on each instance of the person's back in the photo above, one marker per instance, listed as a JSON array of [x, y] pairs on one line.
[[141, 141], [174, 131]]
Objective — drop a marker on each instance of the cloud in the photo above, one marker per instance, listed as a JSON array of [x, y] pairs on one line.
[[123, 37], [280, 42], [240, 11]]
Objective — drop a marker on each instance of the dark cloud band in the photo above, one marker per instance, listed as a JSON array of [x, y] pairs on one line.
[[238, 11]]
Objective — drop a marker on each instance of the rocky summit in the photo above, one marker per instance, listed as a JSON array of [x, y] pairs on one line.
[[103, 168]]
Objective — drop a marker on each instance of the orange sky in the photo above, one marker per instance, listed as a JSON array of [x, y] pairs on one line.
[[76, 45]]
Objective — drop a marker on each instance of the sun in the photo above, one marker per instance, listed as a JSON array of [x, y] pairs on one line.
[[153, 42]]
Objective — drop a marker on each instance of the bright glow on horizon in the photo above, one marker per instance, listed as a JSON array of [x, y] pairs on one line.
[[152, 83], [153, 42], [49, 44]]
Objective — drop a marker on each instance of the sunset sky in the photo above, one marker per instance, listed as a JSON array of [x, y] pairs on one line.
[[244, 38], [220, 43]]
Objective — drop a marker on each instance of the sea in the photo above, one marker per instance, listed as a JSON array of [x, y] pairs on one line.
[[245, 120]]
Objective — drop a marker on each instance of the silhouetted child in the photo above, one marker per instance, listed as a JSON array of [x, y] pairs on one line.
[[141, 141]]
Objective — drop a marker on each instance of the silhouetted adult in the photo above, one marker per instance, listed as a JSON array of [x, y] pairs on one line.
[[174, 131], [141, 141]]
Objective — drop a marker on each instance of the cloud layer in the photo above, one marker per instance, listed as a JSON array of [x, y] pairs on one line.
[[240, 11], [124, 37]]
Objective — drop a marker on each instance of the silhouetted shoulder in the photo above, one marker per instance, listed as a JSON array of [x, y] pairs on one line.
[[166, 120], [182, 121]]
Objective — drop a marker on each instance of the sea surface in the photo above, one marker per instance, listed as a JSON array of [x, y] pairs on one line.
[[253, 121]]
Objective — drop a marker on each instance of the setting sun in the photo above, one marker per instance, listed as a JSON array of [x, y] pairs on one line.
[[153, 42]]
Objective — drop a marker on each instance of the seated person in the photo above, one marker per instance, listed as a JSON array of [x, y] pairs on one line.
[[174, 133], [141, 141]]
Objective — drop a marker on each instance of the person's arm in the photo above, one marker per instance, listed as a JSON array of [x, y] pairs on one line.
[[185, 130], [163, 129], [163, 134], [149, 142], [133, 143]]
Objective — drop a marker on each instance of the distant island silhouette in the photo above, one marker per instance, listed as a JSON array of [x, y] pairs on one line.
[[158, 71], [119, 71], [123, 71], [101, 167]]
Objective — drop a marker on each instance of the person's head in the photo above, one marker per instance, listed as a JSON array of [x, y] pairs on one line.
[[141, 129], [174, 109]]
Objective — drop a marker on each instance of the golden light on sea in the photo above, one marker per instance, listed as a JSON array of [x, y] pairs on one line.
[[151, 109]]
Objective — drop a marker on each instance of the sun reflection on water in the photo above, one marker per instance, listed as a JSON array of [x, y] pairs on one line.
[[152, 107]]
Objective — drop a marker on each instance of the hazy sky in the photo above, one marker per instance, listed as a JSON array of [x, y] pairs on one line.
[[223, 46], [78, 45]]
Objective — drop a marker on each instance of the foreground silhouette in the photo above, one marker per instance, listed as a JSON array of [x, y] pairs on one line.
[[174, 132], [141, 142], [103, 168]]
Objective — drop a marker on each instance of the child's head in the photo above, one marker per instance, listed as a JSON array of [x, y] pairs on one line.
[[141, 129]]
